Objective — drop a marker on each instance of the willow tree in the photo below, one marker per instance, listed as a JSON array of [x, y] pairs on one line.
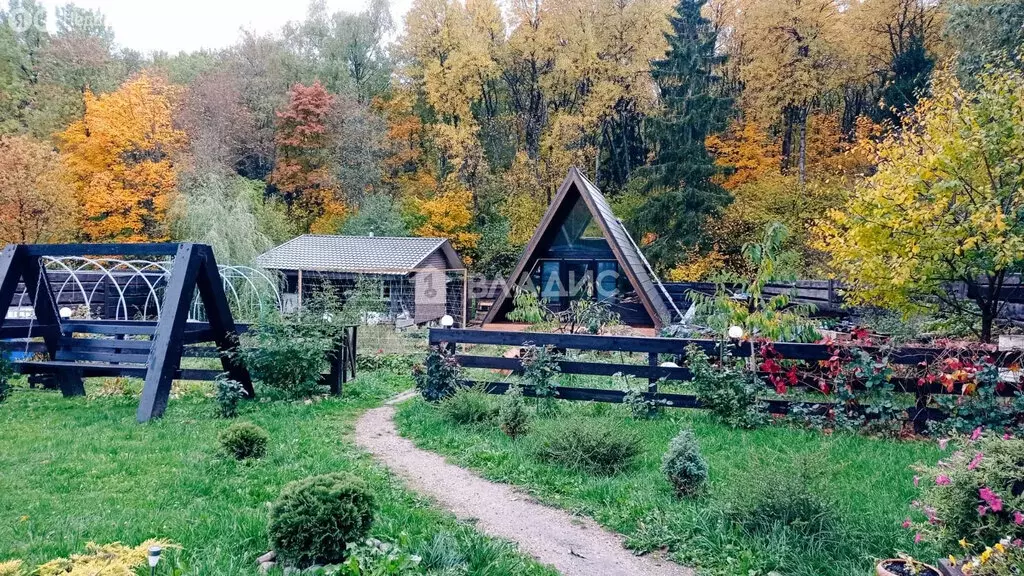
[[944, 206]]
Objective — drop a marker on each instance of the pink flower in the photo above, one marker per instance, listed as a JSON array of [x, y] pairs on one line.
[[1018, 518], [974, 463], [1018, 543], [942, 480], [991, 498], [906, 523], [943, 442], [917, 480], [1007, 436], [976, 434], [982, 509], [917, 538]]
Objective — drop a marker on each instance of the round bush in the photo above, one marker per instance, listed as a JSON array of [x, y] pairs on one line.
[[316, 518], [686, 469], [244, 440], [468, 406], [599, 446]]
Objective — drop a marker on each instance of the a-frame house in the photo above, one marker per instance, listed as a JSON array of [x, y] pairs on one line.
[[581, 250]]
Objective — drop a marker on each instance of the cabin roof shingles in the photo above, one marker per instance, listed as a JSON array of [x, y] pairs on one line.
[[380, 254]]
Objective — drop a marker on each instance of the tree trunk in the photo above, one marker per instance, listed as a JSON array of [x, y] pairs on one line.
[[803, 146], [987, 319]]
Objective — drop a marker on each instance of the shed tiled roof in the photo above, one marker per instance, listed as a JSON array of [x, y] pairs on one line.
[[350, 253]]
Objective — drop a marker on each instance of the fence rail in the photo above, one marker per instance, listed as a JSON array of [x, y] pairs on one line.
[[653, 370]]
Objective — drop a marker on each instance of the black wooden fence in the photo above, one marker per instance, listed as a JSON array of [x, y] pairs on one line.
[[656, 348], [111, 348]]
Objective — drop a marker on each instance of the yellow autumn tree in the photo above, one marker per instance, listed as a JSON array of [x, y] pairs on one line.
[[447, 215], [37, 203], [944, 206], [120, 157]]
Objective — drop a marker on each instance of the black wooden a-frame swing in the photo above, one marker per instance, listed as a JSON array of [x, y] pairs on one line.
[[157, 360]]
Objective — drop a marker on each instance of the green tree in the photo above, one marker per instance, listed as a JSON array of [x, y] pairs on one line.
[[983, 32], [944, 206], [378, 215], [682, 193]]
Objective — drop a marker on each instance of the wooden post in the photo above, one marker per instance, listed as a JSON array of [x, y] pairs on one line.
[[222, 325], [465, 299], [353, 348], [652, 379], [70, 383], [165, 353], [300, 289]]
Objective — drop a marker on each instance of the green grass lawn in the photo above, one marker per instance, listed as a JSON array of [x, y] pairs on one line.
[[868, 481], [81, 470]]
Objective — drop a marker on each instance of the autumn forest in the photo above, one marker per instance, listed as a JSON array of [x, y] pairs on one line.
[[703, 121]]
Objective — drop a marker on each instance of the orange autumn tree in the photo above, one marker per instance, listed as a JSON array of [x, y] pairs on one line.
[[37, 203], [120, 158], [302, 173]]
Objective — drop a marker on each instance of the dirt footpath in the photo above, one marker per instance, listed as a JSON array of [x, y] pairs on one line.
[[573, 545]]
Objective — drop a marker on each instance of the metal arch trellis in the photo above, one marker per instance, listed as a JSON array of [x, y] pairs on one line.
[[246, 287]]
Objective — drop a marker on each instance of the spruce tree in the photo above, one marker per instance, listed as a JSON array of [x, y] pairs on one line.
[[680, 191]]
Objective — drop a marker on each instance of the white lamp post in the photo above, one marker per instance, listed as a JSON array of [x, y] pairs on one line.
[[153, 558]]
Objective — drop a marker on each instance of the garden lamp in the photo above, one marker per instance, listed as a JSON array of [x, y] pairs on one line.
[[447, 321], [735, 332], [153, 558], [65, 312], [669, 365]]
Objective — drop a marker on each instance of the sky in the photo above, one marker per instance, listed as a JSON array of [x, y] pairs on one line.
[[189, 25]]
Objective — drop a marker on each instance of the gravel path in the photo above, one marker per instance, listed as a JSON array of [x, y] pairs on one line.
[[575, 546]]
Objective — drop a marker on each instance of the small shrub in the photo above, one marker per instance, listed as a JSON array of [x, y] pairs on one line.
[[442, 554], [729, 392], [540, 371], [776, 494], [289, 353], [229, 394], [439, 376], [315, 519], [6, 373], [639, 406], [243, 441], [514, 419], [111, 559], [684, 466], [11, 568], [599, 446], [467, 406], [977, 493], [374, 557]]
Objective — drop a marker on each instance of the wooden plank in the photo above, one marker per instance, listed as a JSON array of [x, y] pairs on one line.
[[165, 356], [122, 249], [574, 341], [67, 342], [99, 356], [110, 327], [221, 324], [577, 367], [88, 370]]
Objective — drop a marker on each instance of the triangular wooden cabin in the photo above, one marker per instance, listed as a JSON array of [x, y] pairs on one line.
[[581, 250]]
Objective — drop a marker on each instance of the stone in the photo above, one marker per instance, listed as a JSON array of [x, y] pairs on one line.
[[266, 566], [268, 557]]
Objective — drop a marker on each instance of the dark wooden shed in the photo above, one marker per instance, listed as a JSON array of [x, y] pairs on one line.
[[421, 279]]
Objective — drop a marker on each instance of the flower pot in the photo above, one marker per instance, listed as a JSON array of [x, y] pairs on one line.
[[901, 567]]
